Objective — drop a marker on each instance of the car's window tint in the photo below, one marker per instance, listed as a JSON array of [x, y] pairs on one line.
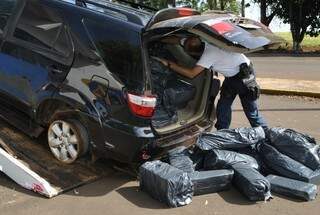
[[120, 49], [44, 27], [6, 10]]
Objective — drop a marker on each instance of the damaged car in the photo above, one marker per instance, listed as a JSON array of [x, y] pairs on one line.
[[84, 73]]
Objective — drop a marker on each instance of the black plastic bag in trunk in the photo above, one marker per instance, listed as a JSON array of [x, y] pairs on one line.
[[166, 183], [162, 117], [300, 147], [180, 158], [251, 183], [178, 94], [222, 159], [214, 181], [292, 188], [230, 138], [284, 165]]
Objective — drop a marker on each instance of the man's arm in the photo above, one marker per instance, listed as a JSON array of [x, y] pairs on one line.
[[188, 72], [173, 40]]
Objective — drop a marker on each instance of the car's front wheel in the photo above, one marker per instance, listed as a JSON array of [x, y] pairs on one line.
[[68, 140]]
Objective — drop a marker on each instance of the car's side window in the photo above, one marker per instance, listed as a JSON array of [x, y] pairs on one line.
[[43, 27], [6, 10], [119, 47]]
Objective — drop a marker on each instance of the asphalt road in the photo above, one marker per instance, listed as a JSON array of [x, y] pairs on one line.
[[119, 194], [299, 68]]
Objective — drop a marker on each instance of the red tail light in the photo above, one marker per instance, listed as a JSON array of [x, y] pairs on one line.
[[222, 27], [183, 11], [142, 105]]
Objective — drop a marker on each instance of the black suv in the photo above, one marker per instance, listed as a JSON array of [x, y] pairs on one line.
[[83, 72]]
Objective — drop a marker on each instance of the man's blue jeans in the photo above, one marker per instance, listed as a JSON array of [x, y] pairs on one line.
[[230, 89]]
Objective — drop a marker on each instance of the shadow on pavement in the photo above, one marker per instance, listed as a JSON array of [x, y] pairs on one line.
[[287, 198], [139, 198], [103, 186], [234, 197]]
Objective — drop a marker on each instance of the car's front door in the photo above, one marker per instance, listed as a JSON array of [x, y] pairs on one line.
[[38, 51]]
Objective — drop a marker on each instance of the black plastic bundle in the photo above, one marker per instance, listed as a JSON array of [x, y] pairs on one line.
[[292, 188], [213, 181], [231, 139], [197, 158], [223, 159], [180, 158], [166, 183], [300, 147], [178, 94], [284, 165], [251, 183]]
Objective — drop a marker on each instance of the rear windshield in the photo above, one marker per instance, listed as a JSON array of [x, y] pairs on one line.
[[120, 49]]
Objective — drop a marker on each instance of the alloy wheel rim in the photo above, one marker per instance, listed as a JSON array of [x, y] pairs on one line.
[[63, 141]]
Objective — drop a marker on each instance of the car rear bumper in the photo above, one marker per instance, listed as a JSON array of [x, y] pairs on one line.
[[136, 145]]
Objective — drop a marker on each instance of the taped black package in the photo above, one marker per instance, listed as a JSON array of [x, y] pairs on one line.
[[251, 183], [163, 117], [223, 159], [180, 158], [231, 138], [166, 183], [284, 165], [213, 181], [292, 188], [178, 93], [300, 147], [197, 158], [251, 151]]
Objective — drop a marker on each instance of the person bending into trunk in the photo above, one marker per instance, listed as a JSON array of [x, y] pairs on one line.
[[239, 79]]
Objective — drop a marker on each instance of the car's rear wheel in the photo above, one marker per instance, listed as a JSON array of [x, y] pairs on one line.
[[68, 140]]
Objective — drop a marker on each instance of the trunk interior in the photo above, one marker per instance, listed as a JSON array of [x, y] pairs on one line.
[[170, 117]]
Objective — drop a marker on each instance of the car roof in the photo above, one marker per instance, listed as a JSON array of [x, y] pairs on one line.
[[123, 10]]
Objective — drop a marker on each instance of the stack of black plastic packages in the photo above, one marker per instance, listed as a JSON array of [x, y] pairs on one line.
[[256, 161]]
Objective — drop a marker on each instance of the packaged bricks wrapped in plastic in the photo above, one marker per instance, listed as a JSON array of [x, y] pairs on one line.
[[292, 188], [284, 165], [180, 158], [166, 183], [213, 181], [300, 147], [223, 159], [251, 183], [230, 139]]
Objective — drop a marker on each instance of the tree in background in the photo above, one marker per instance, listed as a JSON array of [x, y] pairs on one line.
[[268, 10], [303, 17], [203, 5]]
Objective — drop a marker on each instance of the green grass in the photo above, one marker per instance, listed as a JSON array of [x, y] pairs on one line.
[[308, 44]]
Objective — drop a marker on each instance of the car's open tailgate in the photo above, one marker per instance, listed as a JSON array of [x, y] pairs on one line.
[[226, 31]]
